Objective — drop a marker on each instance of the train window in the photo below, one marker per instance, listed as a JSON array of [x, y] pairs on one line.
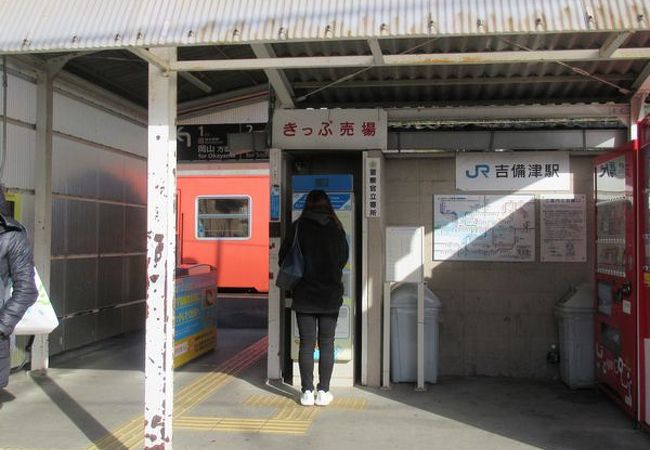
[[223, 217]]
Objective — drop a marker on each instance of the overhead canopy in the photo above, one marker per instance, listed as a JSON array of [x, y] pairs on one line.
[[55, 25], [349, 53]]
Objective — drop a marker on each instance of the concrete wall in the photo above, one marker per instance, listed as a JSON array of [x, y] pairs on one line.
[[497, 317]]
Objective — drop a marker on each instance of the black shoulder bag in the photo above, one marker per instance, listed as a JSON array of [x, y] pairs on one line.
[[293, 265]]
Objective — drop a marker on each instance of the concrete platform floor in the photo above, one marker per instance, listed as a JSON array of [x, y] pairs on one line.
[[93, 399]]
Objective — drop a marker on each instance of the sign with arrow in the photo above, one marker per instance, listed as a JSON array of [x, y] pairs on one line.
[[210, 142]]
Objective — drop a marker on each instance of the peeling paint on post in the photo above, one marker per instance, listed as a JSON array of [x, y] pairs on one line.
[[161, 257]]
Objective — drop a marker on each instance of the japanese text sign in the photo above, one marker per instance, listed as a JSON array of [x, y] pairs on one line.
[[330, 129], [373, 187], [513, 171]]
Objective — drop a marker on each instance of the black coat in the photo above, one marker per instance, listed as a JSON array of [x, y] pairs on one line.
[[17, 271], [325, 251]]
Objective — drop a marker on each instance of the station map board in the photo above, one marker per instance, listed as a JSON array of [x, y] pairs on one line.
[[484, 228]]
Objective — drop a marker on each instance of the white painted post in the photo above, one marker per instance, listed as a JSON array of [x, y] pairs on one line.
[[275, 308], [364, 277], [385, 378], [161, 255], [420, 350], [43, 202]]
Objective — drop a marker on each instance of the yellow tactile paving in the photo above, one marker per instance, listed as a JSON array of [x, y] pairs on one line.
[[270, 401], [274, 401], [357, 404], [131, 434], [299, 413], [243, 425]]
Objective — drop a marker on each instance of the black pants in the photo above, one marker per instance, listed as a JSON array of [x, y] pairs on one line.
[[307, 330]]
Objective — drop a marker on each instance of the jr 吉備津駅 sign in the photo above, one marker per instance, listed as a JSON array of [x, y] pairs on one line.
[[513, 171]]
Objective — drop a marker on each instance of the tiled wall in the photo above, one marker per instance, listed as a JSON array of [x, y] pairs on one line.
[[497, 317]]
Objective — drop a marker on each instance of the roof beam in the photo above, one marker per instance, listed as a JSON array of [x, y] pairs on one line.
[[196, 82], [642, 82], [56, 65], [277, 78], [377, 53], [151, 58], [463, 81], [613, 42], [584, 111], [409, 60], [162, 65], [641, 88], [227, 100]]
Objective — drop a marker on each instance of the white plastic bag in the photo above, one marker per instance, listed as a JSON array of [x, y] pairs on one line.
[[40, 318]]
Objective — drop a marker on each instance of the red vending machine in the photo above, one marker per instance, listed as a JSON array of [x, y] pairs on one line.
[[616, 202], [643, 318]]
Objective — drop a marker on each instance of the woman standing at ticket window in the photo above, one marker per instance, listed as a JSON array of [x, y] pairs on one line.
[[318, 296]]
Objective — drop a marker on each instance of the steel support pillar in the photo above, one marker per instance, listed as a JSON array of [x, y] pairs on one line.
[[161, 254], [43, 202]]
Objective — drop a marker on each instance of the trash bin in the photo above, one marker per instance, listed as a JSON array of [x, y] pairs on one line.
[[403, 333], [575, 314]]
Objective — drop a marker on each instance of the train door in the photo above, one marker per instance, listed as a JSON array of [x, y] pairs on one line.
[[224, 216]]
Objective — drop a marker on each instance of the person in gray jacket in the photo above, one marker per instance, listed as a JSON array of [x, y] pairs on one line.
[[17, 272]]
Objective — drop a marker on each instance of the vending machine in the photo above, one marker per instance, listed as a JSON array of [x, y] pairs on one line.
[[617, 299], [341, 193], [643, 280]]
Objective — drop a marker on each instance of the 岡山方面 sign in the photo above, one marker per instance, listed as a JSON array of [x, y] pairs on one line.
[[210, 142]]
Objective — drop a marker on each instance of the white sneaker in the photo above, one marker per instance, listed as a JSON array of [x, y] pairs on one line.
[[307, 398], [323, 398]]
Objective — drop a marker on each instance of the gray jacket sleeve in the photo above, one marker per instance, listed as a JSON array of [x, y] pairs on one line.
[[21, 269]]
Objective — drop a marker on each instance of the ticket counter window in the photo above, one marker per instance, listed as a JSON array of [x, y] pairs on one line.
[[223, 218]]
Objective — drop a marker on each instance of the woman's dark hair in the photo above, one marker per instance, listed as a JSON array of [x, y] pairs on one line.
[[319, 200]]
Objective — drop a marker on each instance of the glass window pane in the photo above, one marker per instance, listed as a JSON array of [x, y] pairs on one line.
[[223, 218]]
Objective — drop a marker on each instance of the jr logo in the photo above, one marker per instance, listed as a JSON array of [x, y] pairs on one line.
[[483, 169]]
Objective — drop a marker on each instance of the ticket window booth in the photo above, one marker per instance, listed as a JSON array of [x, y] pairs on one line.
[[331, 150], [340, 190], [338, 175]]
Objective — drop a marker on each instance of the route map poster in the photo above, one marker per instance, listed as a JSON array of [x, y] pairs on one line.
[[484, 228]]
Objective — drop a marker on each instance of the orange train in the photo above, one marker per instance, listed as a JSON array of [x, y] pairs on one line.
[[223, 221]]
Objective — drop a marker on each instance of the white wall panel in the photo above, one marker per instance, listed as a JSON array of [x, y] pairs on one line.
[[74, 167], [112, 181], [19, 166], [85, 121], [136, 181], [21, 99]]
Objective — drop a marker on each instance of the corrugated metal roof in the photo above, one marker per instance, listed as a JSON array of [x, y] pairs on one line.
[[55, 25], [482, 84]]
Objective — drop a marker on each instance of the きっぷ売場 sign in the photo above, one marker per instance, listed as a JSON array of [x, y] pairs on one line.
[[330, 129]]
